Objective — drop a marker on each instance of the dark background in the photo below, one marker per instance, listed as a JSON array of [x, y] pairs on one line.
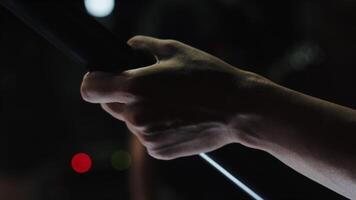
[[308, 46]]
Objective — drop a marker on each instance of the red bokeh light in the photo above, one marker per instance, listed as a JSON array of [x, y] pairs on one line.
[[81, 163]]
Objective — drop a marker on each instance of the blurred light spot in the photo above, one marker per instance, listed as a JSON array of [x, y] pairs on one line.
[[99, 8], [299, 57], [121, 160], [81, 163], [303, 56]]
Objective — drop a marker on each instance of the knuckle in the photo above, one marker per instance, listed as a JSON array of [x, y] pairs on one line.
[[136, 39], [171, 43], [149, 144], [170, 46], [160, 154], [151, 141]]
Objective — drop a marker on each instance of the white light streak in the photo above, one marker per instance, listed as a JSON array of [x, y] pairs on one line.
[[228, 175]]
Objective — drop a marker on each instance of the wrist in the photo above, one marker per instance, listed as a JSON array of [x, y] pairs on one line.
[[260, 104]]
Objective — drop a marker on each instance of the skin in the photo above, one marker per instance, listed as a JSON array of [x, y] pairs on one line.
[[191, 102]]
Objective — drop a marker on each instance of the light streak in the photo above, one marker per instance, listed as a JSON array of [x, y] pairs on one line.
[[231, 177]]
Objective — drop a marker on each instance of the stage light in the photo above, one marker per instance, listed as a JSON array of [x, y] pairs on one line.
[[81, 163], [99, 8], [121, 160]]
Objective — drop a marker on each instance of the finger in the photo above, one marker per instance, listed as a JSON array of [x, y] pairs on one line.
[[101, 87], [136, 131], [157, 116], [183, 149], [114, 109], [166, 138], [153, 117], [182, 134], [190, 147], [162, 49]]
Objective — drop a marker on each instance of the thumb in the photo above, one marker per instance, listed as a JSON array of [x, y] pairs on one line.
[[162, 49]]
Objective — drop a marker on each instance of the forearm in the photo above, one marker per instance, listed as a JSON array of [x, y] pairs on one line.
[[314, 137]]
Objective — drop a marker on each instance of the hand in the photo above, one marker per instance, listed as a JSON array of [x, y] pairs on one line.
[[182, 105], [190, 102]]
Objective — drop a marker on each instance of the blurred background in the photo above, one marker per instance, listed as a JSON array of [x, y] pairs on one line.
[[307, 45]]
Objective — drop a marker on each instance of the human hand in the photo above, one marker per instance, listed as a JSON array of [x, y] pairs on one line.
[[182, 105]]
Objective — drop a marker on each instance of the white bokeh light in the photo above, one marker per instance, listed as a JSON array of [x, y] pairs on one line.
[[99, 8]]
